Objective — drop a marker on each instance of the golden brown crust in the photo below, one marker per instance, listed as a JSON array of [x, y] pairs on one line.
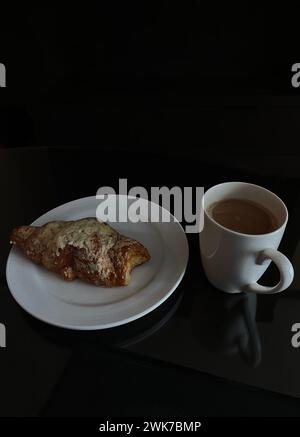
[[88, 249]]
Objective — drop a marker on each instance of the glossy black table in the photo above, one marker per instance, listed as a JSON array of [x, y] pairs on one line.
[[201, 353]]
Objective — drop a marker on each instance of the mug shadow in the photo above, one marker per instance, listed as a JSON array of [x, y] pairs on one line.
[[226, 324]]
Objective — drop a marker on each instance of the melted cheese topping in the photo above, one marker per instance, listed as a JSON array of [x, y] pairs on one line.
[[79, 234]]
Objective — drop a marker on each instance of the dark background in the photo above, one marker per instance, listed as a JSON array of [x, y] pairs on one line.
[[210, 81], [187, 77]]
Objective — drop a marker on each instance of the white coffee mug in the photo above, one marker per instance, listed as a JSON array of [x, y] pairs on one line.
[[234, 262]]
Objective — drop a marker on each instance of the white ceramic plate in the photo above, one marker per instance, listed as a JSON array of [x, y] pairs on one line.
[[78, 305]]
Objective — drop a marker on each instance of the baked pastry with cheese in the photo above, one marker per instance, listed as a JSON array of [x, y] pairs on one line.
[[88, 249]]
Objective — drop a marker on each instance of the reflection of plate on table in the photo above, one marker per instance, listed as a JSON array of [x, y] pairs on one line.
[[79, 305], [122, 336]]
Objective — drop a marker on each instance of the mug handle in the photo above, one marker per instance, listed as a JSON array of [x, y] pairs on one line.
[[285, 269]]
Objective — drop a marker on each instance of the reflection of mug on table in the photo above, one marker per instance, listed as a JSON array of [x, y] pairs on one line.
[[241, 331], [234, 261], [226, 325]]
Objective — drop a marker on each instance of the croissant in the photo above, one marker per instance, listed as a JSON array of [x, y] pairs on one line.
[[87, 249]]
